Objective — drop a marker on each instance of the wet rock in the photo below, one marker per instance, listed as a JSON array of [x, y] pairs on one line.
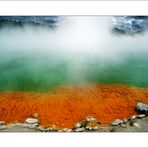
[[3, 127], [116, 122], [91, 119], [77, 125], [142, 108], [141, 116], [2, 122], [82, 129], [35, 115], [31, 121]]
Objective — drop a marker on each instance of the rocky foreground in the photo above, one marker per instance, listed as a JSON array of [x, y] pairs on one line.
[[136, 123], [65, 106]]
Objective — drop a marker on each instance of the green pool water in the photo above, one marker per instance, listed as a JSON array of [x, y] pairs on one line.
[[43, 72], [36, 59]]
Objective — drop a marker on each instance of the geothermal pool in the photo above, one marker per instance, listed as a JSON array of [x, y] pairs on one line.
[[80, 62], [81, 50]]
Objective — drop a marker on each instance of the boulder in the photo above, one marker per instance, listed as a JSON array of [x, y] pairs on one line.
[[142, 108]]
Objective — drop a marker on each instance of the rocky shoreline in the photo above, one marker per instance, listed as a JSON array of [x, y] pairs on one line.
[[136, 123]]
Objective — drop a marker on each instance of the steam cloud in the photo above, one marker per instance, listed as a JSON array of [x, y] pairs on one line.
[[78, 44]]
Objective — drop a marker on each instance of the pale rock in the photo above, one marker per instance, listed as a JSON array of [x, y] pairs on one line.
[[35, 115], [2, 122], [116, 122], [77, 125], [134, 117], [136, 124], [125, 120], [141, 116], [31, 121], [95, 128], [89, 128], [142, 108], [3, 127], [82, 129], [123, 125], [91, 119]]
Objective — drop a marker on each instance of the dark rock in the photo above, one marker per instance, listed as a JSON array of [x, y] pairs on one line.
[[125, 120], [128, 25], [84, 123], [50, 21], [131, 123], [142, 108]]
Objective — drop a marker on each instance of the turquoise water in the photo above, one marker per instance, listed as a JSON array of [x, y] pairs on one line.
[[42, 73], [39, 60]]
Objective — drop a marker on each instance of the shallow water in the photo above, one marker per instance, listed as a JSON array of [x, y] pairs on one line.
[[84, 51]]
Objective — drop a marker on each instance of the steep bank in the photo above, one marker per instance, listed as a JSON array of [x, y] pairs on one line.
[[70, 104]]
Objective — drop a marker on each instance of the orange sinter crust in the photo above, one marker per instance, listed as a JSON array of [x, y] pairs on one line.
[[65, 106]]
